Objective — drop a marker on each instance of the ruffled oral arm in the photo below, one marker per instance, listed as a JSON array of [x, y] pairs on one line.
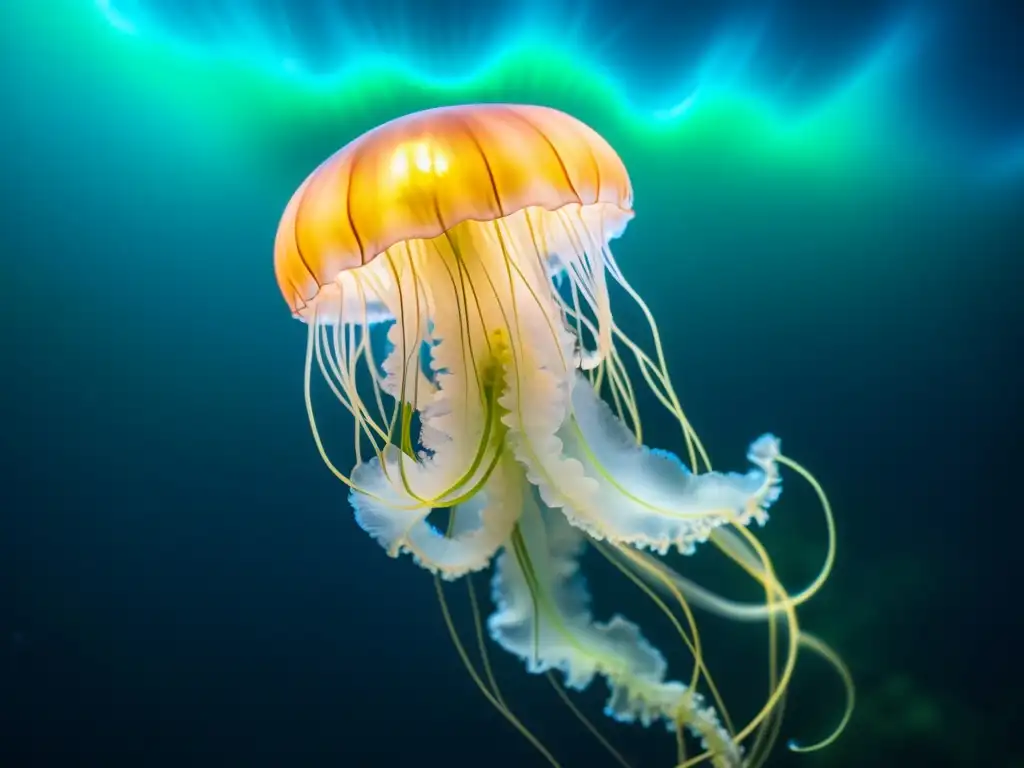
[[543, 616], [590, 465]]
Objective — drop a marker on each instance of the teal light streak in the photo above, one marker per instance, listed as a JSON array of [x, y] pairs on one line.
[[722, 69], [864, 125], [114, 17]]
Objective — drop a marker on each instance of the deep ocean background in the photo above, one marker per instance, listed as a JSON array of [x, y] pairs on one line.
[[830, 229]]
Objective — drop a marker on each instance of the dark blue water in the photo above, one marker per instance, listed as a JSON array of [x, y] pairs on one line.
[[181, 580]]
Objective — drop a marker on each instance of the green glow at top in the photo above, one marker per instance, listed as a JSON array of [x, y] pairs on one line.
[[856, 127]]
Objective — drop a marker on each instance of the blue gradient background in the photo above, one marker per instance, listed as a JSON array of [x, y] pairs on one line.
[[830, 218]]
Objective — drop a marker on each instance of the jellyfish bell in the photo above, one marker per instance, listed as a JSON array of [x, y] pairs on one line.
[[420, 176], [450, 224], [477, 238]]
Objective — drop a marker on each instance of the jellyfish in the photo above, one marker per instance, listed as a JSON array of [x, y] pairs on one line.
[[454, 270]]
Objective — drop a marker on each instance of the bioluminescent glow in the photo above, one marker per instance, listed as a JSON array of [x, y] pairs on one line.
[[534, 50], [114, 17], [326, 42], [323, 44]]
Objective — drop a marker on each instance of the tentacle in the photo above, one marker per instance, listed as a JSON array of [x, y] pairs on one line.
[[544, 617]]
